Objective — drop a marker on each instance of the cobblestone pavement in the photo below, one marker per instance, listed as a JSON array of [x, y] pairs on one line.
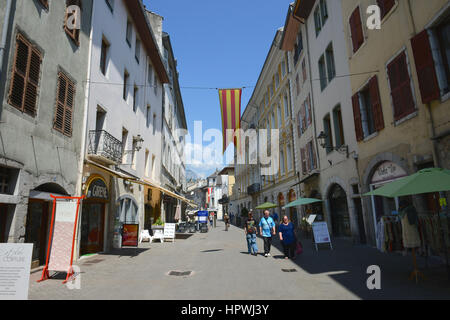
[[222, 269]]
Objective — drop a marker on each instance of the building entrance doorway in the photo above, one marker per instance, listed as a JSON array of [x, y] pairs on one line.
[[340, 218]]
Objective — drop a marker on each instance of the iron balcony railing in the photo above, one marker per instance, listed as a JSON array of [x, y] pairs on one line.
[[253, 189], [103, 144]]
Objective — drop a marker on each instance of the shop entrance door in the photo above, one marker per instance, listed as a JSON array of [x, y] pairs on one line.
[[92, 226], [340, 219], [3, 213], [36, 230]]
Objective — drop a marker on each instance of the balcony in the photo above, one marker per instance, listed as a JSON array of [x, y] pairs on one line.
[[253, 189], [104, 147]]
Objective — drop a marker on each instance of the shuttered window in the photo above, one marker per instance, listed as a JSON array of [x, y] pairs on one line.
[[71, 18], [25, 77], [426, 72], [304, 161], [44, 3], [299, 122], [308, 101], [356, 29], [357, 117], [400, 82], [385, 6], [377, 108], [65, 101]]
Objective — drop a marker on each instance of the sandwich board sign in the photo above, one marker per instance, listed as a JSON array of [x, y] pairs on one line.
[[15, 264], [169, 231], [321, 234]]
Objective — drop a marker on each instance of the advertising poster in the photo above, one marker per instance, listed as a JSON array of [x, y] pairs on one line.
[[130, 236], [61, 248], [15, 264], [321, 234]]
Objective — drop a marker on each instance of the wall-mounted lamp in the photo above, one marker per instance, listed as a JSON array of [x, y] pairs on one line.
[[323, 139]]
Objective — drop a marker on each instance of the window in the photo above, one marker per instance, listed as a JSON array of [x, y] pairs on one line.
[[277, 80], [289, 158], [385, 6], [328, 132], [23, 91], [155, 84], [64, 105], [110, 4], [147, 162], [443, 33], [311, 157], [273, 120], [367, 110], [134, 154], [283, 69], [331, 69], [338, 127], [320, 16], [305, 77], [356, 29], [400, 82], [322, 73], [298, 47], [126, 76], [282, 164], [286, 107], [271, 90], [135, 98], [280, 119], [124, 145], [8, 180], [308, 114], [148, 116], [129, 34], [154, 123], [153, 166], [137, 53], [150, 75], [266, 99], [304, 161], [297, 84], [71, 23], [299, 124], [104, 56]]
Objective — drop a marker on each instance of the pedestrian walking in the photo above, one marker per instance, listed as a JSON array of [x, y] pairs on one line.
[[226, 219], [287, 237], [250, 234], [210, 220], [267, 230]]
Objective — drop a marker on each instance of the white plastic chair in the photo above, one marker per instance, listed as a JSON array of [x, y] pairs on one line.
[[145, 234], [158, 234]]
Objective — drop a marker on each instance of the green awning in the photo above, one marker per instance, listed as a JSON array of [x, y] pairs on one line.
[[267, 205], [302, 202], [425, 181]]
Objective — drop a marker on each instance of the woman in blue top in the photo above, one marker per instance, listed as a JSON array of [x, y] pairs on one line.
[[287, 237]]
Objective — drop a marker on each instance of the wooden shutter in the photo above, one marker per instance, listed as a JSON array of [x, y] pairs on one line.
[[64, 105], [303, 155], [377, 108], [426, 72], [357, 117], [356, 29], [400, 87], [44, 3], [25, 77]]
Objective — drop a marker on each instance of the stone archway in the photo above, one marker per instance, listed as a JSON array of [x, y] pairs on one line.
[[339, 212]]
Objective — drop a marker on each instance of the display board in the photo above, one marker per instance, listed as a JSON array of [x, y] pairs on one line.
[[64, 227], [169, 231], [321, 233], [15, 264], [130, 235]]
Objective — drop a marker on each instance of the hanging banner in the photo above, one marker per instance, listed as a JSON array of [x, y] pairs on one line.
[[15, 264], [230, 106]]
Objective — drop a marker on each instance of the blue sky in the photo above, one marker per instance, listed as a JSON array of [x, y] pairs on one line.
[[218, 44]]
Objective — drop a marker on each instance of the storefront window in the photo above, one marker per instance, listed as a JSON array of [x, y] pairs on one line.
[[128, 211]]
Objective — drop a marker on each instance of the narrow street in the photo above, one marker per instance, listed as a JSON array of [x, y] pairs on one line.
[[223, 270]]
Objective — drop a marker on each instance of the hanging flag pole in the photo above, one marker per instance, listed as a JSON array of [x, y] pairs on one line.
[[230, 106]]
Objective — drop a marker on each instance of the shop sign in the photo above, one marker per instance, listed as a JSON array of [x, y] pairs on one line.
[[321, 234], [388, 171], [130, 237], [97, 190]]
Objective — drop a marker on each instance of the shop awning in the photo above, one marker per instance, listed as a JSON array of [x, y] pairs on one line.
[[141, 182]]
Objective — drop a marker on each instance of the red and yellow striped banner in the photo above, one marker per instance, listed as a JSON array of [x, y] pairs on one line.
[[230, 105]]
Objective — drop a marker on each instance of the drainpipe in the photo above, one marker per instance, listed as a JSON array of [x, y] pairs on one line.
[[5, 33]]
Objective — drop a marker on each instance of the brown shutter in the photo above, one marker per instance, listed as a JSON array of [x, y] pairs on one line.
[[426, 71], [357, 117], [400, 87], [25, 78], [385, 6], [64, 105], [376, 103], [356, 29]]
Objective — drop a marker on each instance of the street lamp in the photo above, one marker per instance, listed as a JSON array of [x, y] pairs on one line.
[[322, 139]]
